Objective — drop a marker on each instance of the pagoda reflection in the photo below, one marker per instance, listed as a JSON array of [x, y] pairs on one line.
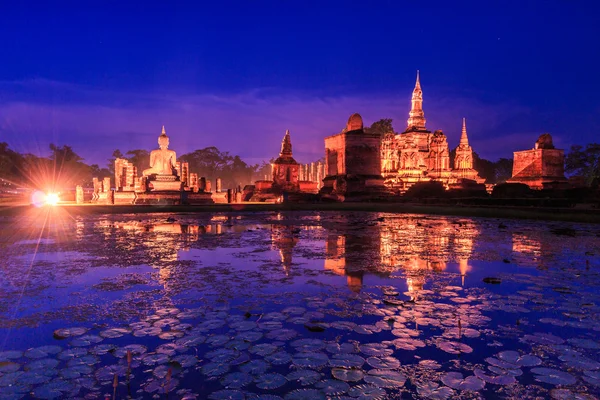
[[420, 247], [335, 261], [529, 247], [283, 239]]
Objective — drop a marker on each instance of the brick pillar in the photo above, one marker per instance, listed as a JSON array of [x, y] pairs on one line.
[[208, 186], [78, 194], [97, 188], [194, 181], [218, 185], [119, 173], [110, 196], [185, 174], [106, 184]]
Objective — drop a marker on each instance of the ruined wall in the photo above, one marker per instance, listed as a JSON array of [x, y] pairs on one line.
[[362, 153], [334, 155], [539, 163]]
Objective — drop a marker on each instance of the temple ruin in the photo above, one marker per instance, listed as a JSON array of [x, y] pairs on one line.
[[167, 181], [541, 167], [418, 155]]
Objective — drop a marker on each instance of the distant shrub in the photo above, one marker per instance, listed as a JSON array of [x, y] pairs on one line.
[[511, 191], [424, 190]]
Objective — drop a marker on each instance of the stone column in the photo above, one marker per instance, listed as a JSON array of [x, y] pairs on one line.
[[130, 172], [194, 182], [97, 188], [110, 196], [119, 167], [230, 196], [207, 188], [238, 197], [202, 185], [218, 185], [185, 174], [78, 194], [106, 184]]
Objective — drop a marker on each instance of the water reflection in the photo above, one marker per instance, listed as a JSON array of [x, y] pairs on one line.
[[298, 305], [349, 250], [284, 238]]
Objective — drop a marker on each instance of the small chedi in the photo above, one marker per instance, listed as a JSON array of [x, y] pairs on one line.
[[285, 168], [417, 155], [353, 163], [166, 181], [285, 178], [541, 167]]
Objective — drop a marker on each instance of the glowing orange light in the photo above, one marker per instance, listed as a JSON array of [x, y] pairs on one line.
[[52, 199]]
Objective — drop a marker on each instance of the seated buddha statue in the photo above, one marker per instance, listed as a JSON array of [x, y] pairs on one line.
[[162, 161]]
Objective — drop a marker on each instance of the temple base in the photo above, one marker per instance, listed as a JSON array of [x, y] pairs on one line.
[[174, 186]]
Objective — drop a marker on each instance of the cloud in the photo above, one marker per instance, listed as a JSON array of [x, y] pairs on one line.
[[95, 121]]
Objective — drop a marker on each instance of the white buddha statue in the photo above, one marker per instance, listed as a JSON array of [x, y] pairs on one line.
[[162, 161]]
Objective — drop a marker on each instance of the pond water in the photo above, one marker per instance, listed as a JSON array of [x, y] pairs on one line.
[[297, 306]]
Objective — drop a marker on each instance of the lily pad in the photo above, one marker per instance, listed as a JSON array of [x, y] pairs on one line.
[[114, 333], [236, 380], [227, 395], [310, 360], [383, 362], [456, 380], [304, 376], [432, 390], [270, 381], [346, 361], [255, 367], [454, 347], [347, 375], [519, 360], [553, 376], [385, 378], [279, 358], [64, 333], [376, 350], [367, 392], [332, 387]]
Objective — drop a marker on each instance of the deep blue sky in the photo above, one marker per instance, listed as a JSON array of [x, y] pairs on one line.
[[237, 74]]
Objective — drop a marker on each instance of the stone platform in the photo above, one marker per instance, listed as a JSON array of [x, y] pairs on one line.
[[181, 198], [165, 185]]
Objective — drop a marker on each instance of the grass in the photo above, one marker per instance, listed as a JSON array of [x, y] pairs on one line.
[[532, 213]]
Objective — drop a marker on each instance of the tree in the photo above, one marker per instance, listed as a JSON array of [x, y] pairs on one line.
[[139, 158], [68, 168], [11, 165], [485, 168], [263, 171], [381, 127], [63, 154], [96, 171], [111, 161], [585, 163], [503, 168]]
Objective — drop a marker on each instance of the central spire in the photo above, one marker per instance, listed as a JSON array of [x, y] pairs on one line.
[[416, 116], [464, 140]]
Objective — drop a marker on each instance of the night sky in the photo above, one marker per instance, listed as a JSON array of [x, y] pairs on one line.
[[236, 75]]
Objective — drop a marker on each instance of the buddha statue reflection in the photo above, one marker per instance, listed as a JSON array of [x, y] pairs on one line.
[[162, 161]]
